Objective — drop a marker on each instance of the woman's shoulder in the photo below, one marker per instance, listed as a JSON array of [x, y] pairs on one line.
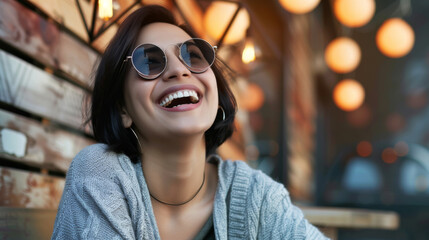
[[95, 161], [91, 150], [254, 181]]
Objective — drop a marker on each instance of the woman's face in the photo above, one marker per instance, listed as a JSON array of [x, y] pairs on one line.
[[145, 100]]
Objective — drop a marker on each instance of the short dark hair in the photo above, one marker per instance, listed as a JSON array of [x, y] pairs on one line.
[[107, 98]]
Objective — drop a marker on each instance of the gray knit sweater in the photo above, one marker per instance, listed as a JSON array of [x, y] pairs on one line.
[[106, 197]]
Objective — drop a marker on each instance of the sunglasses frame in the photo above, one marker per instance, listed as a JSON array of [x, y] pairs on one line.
[[179, 46]]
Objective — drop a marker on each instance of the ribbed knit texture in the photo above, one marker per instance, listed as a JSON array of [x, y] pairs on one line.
[[106, 197]]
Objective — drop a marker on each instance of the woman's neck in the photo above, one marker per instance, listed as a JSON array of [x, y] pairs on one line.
[[174, 168]]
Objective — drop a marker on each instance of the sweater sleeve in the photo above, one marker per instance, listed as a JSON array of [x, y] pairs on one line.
[[93, 206], [282, 220]]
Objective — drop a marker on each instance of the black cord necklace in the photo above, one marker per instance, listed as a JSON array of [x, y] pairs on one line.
[[171, 204], [185, 202]]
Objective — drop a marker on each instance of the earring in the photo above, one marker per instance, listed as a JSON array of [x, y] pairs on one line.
[[132, 130], [223, 112]]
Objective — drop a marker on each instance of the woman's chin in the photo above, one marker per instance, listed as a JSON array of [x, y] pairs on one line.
[[188, 129]]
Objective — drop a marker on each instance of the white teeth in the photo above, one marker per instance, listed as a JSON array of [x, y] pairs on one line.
[[179, 94]]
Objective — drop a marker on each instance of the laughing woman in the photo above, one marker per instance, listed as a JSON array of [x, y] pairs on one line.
[[160, 108]]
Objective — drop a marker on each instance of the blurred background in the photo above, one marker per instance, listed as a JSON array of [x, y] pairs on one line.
[[332, 94]]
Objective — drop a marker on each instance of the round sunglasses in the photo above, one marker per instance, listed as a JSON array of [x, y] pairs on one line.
[[150, 60]]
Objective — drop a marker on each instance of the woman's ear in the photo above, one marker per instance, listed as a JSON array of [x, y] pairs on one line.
[[126, 119]]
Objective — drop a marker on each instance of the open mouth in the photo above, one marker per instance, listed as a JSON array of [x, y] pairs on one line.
[[178, 98]]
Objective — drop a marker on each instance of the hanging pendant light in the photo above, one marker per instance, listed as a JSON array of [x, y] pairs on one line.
[[105, 9], [342, 55], [248, 54], [395, 38], [217, 17], [299, 6], [348, 94], [354, 13]]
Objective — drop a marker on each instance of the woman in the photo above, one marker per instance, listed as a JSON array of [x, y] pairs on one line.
[[160, 108]]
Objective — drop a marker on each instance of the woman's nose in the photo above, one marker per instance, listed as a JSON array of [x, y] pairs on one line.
[[175, 67]]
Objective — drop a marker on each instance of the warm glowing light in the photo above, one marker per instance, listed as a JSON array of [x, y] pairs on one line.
[[354, 13], [105, 9], [248, 52], [389, 155], [348, 95], [299, 6], [342, 55], [395, 38], [253, 98], [364, 149], [401, 148], [217, 18]]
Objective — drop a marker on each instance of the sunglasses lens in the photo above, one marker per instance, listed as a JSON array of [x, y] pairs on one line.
[[197, 54], [149, 61]]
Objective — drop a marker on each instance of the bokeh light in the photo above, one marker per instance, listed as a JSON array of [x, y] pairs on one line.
[[299, 6], [248, 54], [348, 95], [354, 13], [389, 155], [395, 38], [360, 117], [342, 55], [364, 149], [217, 18]]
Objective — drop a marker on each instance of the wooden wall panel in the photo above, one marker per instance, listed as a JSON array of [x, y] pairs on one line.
[[75, 59], [44, 146], [30, 190], [38, 92], [24, 223], [22, 28], [45, 42], [67, 13], [28, 200]]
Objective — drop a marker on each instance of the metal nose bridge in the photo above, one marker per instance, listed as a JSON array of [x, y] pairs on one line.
[[177, 53]]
